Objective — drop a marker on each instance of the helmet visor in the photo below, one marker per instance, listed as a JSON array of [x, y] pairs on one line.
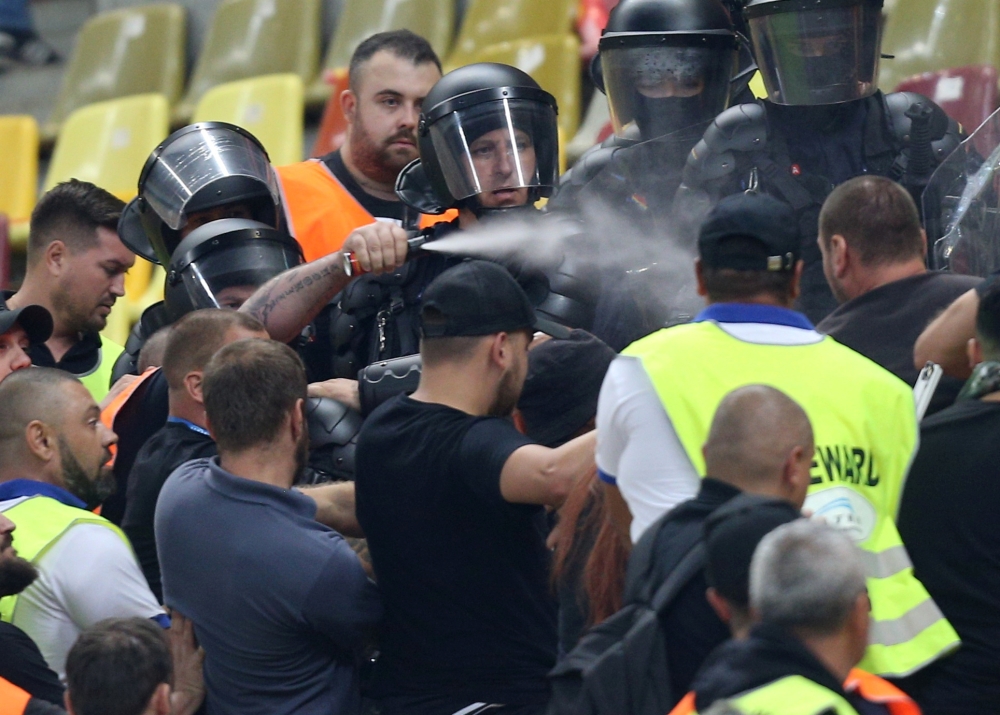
[[662, 89], [226, 277], [498, 147], [196, 160], [818, 56]]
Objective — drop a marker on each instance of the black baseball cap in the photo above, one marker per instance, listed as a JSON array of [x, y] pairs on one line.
[[34, 319], [563, 383], [480, 298], [750, 232], [732, 533]]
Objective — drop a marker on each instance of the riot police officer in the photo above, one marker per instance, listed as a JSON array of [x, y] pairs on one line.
[[668, 68], [824, 121], [489, 148]]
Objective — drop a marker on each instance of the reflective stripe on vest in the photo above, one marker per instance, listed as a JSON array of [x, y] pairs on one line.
[[41, 522], [321, 212], [98, 380], [793, 695], [13, 700], [864, 422], [877, 690]]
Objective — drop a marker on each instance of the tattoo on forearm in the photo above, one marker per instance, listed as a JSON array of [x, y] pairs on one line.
[[262, 304]]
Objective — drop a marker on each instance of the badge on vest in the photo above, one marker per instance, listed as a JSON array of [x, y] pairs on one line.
[[845, 510]]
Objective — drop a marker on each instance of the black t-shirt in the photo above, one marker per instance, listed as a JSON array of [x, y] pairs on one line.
[[379, 208], [463, 573], [81, 359], [884, 324], [23, 665], [948, 522], [173, 445]]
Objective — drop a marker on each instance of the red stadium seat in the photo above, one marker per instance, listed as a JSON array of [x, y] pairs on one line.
[[968, 94], [333, 125]]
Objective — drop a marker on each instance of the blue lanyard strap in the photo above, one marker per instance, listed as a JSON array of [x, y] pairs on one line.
[[189, 424]]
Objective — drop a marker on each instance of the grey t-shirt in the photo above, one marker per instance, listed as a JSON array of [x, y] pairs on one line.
[[280, 603]]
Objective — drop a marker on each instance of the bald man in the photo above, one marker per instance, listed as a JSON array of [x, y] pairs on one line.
[[53, 452], [760, 442]]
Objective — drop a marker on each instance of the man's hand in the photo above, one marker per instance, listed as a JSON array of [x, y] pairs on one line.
[[339, 389], [335, 507], [379, 247], [189, 679]]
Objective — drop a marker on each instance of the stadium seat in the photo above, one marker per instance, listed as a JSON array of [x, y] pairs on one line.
[[490, 22], [333, 125], [18, 174], [251, 38], [268, 107], [932, 35], [431, 19], [107, 143], [136, 50], [968, 94], [554, 62]]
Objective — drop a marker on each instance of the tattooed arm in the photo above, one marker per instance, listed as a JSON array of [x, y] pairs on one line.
[[288, 302]]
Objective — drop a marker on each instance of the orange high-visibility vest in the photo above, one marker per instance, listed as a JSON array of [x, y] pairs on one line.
[[13, 700], [110, 412], [321, 212], [870, 687]]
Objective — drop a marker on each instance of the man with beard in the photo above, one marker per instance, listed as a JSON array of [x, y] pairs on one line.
[[21, 663], [280, 603], [53, 452], [450, 497], [327, 198], [76, 270]]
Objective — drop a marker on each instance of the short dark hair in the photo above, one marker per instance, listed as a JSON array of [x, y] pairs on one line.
[[72, 212], [402, 43], [877, 218], [250, 386], [727, 285], [116, 665], [988, 322], [196, 337]]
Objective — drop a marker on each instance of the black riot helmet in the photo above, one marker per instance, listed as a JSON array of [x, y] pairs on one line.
[[666, 65], [487, 129], [220, 264], [814, 52], [204, 166]]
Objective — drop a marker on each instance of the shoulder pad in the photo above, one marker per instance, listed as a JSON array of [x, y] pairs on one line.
[[739, 129], [333, 434], [946, 132]]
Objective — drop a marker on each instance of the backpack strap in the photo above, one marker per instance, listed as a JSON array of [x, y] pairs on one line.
[[691, 564]]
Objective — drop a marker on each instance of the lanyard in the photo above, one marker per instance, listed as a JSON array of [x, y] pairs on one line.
[[190, 425]]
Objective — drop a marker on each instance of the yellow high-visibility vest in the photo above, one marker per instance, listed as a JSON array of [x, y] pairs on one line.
[[41, 521], [98, 380], [865, 427], [792, 695]]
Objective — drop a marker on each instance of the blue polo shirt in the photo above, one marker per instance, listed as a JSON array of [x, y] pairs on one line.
[[280, 602]]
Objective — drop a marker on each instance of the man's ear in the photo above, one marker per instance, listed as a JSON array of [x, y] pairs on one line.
[[719, 605], [974, 351], [923, 242], [298, 418], [55, 257], [699, 276], [349, 105], [160, 702], [41, 441], [193, 385], [68, 704], [797, 279], [841, 256], [500, 350]]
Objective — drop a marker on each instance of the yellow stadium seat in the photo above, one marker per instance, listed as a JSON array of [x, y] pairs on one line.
[[136, 50], [107, 143], [431, 19], [251, 38], [932, 35], [18, 173], [490, 22], [271, 108], [554, 62]]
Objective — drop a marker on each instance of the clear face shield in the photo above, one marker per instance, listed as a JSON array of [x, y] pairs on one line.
[[497, 150], [212, 156], [826, 55], [663, 89]]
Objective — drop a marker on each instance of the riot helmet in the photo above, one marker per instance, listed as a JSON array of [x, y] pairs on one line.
[[666, 65], [815, 52], [488, 139], [201, 173], [220, 264]]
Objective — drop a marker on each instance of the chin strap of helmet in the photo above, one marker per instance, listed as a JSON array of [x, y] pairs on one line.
[[483, 212]]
